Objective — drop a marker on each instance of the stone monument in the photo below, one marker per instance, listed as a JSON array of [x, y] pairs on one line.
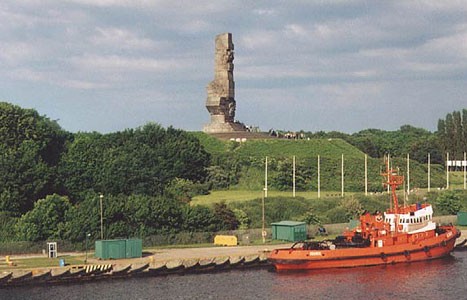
[[221, 91]]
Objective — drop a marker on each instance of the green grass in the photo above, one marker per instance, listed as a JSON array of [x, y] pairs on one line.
[[41, 262], [279, 147], [299, 148], [242, 195], [456, 180], [211, 144], [246, 195]]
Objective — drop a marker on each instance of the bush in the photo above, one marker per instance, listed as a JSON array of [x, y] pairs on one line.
[[448, 203], [46, 220]]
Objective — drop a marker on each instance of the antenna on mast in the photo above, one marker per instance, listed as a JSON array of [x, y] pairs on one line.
[[393, 180]]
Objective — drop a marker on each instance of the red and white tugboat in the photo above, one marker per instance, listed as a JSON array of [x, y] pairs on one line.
[[402, 234]]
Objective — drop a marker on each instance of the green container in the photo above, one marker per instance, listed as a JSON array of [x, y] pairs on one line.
[[462, 218], [134, 248], [116, 249], [289, 231], [110, 249]]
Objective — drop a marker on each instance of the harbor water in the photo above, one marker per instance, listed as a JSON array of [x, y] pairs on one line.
[[444, 278]]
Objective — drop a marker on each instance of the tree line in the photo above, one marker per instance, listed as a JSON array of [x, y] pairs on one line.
[[452, 134], [51, 180]]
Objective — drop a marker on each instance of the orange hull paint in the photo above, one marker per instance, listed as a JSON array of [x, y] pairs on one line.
[[300, 259]]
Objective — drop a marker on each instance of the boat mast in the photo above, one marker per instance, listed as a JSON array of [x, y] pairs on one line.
[[393, 181]]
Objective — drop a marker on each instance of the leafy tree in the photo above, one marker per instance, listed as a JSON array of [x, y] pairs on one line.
[[159, 214], [45, 221], [352, 207], [7, 226], [81, 166], [83, 218], [452, 134], [198, 218], [184, 190], [283, 178], [31, 146], [441, 133], [457, 134], [464, 129], [420, 149], [217, 178], [311, 218], [243, 219], [142, 161], [226, 219]]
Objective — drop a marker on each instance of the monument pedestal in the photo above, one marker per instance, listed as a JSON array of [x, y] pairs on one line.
[[223, 127]]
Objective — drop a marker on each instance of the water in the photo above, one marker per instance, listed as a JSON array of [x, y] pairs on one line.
[[438, 279]]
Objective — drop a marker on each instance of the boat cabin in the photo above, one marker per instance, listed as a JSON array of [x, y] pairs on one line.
[[412, 219]]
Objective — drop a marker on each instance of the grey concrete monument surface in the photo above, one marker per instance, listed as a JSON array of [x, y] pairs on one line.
[[221, 91]]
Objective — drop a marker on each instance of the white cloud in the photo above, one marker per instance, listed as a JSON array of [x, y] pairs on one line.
[[121, 38], [261, 39], [123, 63], [13, 53], [107, 3], [25, 74], [82, 85], [295, 30], [264, 12], [452, 46]]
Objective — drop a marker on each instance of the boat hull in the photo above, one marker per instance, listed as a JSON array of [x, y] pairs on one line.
[[299, 259]]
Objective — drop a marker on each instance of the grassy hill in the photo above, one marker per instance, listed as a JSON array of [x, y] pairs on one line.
[[245, 163], [259, 148]]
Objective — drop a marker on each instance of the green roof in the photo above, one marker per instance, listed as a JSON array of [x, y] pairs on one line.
[[288, 223]]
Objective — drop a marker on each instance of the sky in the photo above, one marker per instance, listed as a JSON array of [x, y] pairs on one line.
[[343, 65]]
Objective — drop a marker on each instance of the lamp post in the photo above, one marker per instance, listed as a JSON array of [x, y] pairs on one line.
[[263, 231], [86, 259], [101, 197]]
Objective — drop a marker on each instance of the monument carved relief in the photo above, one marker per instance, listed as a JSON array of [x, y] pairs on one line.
[[221, 91]]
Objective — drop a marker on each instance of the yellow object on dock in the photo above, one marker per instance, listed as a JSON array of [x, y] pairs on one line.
[[225, 240], [8, 261]]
